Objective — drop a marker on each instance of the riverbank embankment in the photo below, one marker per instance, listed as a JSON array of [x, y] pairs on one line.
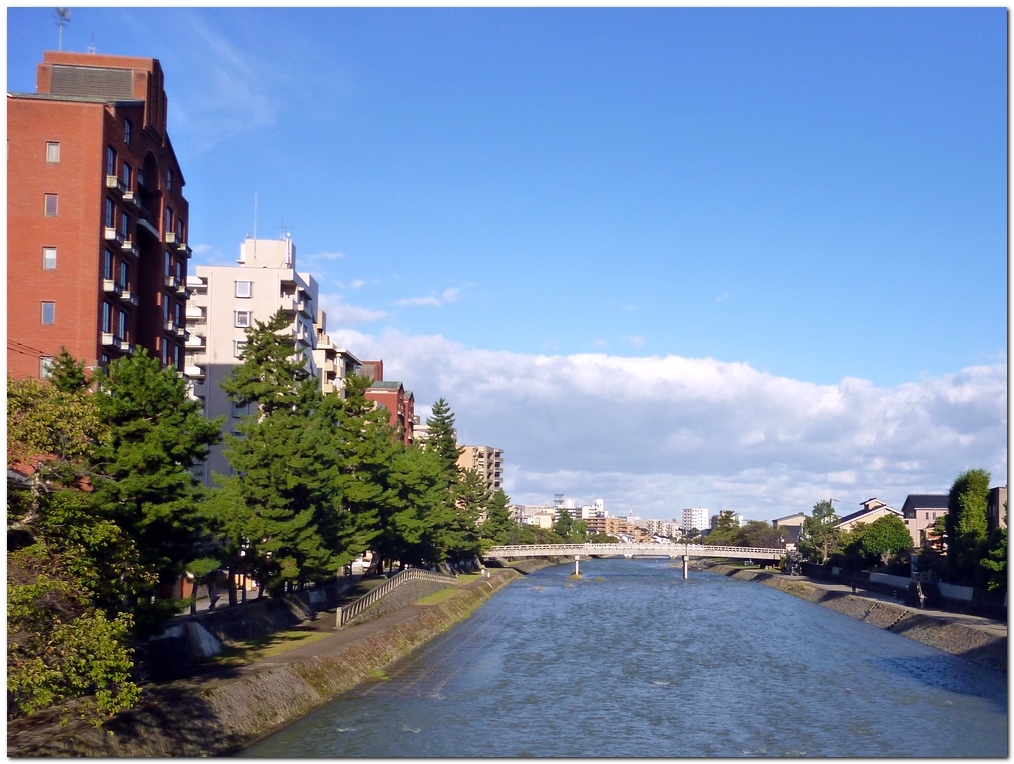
[[973, 638], [224, 711]]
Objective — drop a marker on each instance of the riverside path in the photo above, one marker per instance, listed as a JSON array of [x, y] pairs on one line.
[[671, 550]]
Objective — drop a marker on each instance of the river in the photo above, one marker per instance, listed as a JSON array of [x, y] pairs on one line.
[[631, 660]]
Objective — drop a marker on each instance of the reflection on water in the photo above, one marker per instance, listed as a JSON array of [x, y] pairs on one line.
[[633, 661]]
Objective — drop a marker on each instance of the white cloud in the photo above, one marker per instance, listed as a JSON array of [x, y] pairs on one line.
[[340, 315], [423, 302], [662, 433], [634, 340], [452, 294]]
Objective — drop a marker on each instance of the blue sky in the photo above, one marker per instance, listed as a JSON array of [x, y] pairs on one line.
[[760, 215]]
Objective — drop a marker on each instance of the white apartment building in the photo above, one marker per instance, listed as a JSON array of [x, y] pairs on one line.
[[225, 300], [695, 517]]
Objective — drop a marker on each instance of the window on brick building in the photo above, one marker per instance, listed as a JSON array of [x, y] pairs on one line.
[[110, 160], [127, 129], [51, 205], [125, 225], [49, 258], [127, 175], [121, 325], [124, 275], [107, 264], [52, 152], [169, 179], [165, 353], [107, 318], [48, 313], [168, 220], [104, 361], [110, 213]]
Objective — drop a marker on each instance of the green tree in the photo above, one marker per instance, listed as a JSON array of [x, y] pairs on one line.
[[66, 564], [819, 537], [281, 507], [885, 538], [499, 527], [67, 374], [726, 530], [442, 438], [757, 533], [154, 433], [564, 525], [994, 562], [967, 526]]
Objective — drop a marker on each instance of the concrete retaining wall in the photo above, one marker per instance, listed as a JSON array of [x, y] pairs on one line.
[[222, 718], [954, 638]]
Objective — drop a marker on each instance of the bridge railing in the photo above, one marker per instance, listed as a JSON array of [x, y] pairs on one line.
[[347, 613], [692, 550]]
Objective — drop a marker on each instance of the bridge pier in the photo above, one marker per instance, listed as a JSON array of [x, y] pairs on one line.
[[577, 565], [686, 567]]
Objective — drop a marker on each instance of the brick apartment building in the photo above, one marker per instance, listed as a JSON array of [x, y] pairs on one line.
[[392, 396], [96, 218]]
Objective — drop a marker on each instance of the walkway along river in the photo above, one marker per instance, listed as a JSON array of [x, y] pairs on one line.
[[631, 660]]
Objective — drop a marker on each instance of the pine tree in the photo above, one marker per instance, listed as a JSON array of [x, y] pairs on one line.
[[281, 507], [67, 374], [153, 434], [498, 527], [443, 439]]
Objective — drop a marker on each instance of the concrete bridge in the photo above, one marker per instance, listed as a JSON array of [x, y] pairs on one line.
[[671, 550]]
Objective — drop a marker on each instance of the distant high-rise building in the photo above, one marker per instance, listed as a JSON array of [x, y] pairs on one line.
[[695, 517], [97, 222]]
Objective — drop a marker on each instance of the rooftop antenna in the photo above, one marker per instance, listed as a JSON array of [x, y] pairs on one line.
[[91, 48], [62, 17]]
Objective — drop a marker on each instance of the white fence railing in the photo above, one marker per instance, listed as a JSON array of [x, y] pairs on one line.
[[345, 614], [672, 550]]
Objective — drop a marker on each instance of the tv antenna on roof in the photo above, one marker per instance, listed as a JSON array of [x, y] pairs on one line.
[[62, 17]]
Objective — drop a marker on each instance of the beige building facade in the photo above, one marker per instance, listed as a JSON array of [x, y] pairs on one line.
[[485, 460], [226, 300]]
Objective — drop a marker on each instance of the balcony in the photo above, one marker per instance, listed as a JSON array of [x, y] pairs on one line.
[[181, 287], [111, 287], [194, 372], [131, 198], [112, 234], [114, 183], [170, 282], [197, 284], [196, 314], [144, 225], [129, 297], [110, 340], [129, 248], [196, 342], [174, 241], [170, 325]]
